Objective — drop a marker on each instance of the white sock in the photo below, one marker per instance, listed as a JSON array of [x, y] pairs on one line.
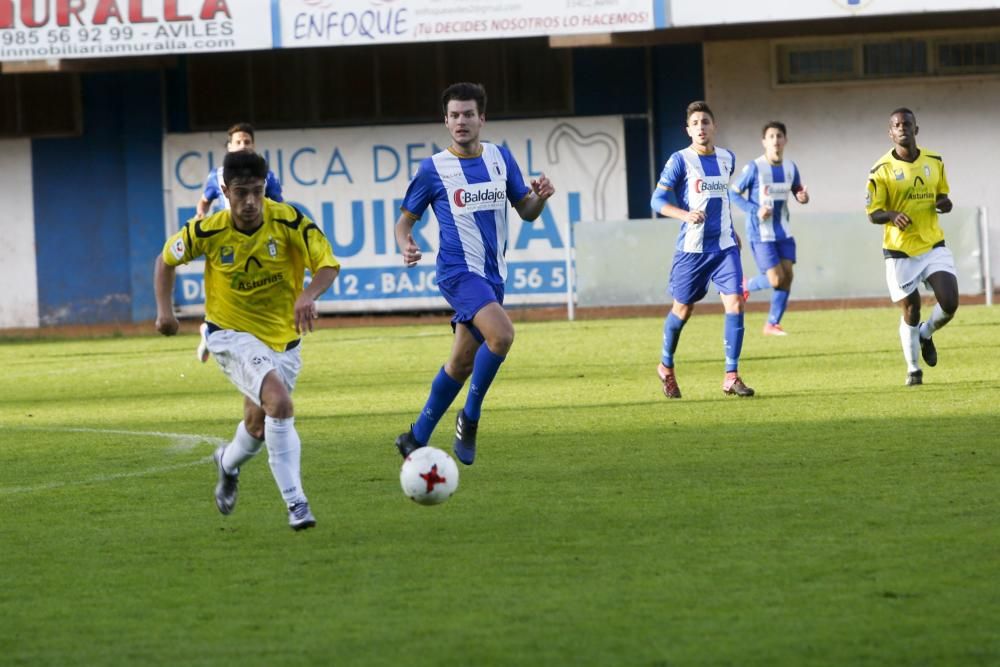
[[910, 338], [938, 319], [243, 448], [284, 451]]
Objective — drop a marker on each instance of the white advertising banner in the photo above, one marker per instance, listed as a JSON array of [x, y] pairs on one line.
[[351, 182], [63, 29], [697, 12], [340, 22]]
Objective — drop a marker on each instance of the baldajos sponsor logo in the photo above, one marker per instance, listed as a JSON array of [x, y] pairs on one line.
[[716, 186], [244, 282], [463, 197]]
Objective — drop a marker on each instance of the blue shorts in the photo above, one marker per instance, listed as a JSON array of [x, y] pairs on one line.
[[769, 254], [467, 293], [692, 271]]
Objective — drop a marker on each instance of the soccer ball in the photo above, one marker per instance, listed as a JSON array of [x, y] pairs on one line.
[[428, 476]]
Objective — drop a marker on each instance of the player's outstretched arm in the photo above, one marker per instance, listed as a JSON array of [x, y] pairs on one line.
[[531, 206], [305, 305], [163, 284]]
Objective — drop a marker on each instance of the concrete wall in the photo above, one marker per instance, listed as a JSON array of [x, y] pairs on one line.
[[837, 132], [18, 273]]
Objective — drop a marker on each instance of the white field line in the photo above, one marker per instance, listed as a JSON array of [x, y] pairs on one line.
[[181, 442]]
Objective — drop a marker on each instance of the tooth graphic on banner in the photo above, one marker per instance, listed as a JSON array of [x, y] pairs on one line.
[[572, 134]]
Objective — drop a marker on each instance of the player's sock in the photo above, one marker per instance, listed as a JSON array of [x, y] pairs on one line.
[[671, 336], [284, 451], [243, 448], [758, 282], [910, 338], [732, 333], [938, 319], [484, 369], [779, 302], [444, 389]]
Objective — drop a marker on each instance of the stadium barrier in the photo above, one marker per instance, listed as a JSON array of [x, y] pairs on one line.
[[627, 262]]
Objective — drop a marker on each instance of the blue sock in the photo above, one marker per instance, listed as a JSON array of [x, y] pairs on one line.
[[733, 338], [484, 369], [671, 335], [758, 282], [779, 301], [444, 389]]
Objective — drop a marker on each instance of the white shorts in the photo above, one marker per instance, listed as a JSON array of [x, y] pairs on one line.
[[246, 360], [903, 274]]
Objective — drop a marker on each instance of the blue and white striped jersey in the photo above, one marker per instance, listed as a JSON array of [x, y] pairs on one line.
[[771, 185], [701, 182], [214, 183], [469, 196]]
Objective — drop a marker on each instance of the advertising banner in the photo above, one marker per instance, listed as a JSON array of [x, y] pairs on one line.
[[63, 29], [339, 22], [697, 12], [351, 182]]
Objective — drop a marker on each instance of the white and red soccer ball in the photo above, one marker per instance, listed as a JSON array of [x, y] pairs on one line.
[[429, 476]]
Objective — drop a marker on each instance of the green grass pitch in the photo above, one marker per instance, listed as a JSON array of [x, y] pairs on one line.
[[837, 518]]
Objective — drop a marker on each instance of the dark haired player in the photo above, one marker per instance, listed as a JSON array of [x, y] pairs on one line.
[[770, 183], [694, 187], [468, 186], [257, 309]]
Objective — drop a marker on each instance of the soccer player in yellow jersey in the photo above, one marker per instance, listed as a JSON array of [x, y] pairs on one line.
[[257, 308], [907, 189]]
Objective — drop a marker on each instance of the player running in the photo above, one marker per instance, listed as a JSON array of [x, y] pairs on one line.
[[257, 309], [694, 187], [240, 138], [763, 192], [468, 185], [907, 189]]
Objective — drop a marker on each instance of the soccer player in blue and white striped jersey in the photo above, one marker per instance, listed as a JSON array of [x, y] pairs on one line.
[[770, 183], [694, 187], [468, 186]]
